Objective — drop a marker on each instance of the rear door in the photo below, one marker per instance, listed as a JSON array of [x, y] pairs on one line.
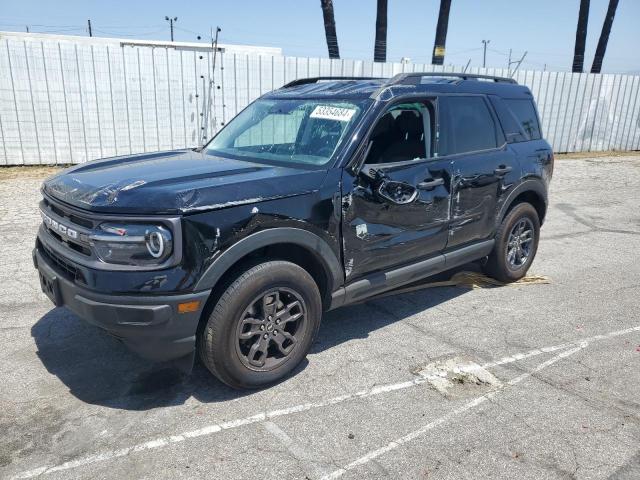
[[484, 167], [535, 154], [396, 207]]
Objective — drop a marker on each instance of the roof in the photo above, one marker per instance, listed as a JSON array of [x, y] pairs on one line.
[[331, 88], [361, 88]]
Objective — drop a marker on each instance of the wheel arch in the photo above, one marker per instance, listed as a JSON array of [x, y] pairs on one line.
[[299, 246], [529, 191]]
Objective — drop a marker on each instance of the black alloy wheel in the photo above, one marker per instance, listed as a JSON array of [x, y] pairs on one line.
[[267, 330]]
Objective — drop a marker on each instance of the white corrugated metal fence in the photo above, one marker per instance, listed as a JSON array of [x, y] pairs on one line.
[[68, 102]]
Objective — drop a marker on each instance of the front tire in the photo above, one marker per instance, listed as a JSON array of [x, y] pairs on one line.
[[516, 244], [262, 325]]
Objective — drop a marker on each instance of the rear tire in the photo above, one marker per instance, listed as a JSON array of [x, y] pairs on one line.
[[516, 244], [262, 325]]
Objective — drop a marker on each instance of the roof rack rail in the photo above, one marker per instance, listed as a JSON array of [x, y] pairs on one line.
[[402, 78], [305, 81], [406, 79]]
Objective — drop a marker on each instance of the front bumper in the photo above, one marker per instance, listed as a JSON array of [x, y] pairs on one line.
[[151, 326]]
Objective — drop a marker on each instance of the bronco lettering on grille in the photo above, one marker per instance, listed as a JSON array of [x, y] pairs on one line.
[[58, 227]]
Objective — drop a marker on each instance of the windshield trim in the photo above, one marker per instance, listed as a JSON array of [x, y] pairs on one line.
[[264, 161]]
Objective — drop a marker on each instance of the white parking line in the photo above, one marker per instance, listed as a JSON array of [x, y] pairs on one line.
[[263, 416], [310, 462], [449, 416]]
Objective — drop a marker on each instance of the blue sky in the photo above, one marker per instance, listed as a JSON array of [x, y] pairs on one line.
[[544, 28]]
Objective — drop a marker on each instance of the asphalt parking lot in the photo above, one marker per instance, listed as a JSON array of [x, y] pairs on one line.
[[527, 381]]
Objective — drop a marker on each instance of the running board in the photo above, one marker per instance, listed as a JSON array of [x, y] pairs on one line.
[[379, 282]]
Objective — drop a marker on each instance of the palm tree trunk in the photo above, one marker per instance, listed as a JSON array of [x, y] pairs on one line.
[[441, 33], [330, 28], [604, 37], [581, 36], [380, 47]]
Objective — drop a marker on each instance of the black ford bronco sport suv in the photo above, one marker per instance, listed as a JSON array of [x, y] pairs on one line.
[[319, 194]]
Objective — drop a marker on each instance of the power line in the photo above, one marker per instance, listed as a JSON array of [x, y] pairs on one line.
[[188, 31], [36, 25], [127, 35]]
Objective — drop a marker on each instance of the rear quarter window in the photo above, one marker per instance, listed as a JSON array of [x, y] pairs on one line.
[[525, 112], [511, 126]]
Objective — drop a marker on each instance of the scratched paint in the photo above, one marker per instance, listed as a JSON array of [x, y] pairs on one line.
[[176, 182]]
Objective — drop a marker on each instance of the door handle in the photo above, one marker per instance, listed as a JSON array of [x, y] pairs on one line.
[[502, 170], [430, 184]]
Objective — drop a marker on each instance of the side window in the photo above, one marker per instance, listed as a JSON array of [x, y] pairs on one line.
[[525, 112], [511, 126], [403, 133], [471, 125]]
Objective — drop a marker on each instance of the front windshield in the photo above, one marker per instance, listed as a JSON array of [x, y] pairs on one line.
[[287, 131]]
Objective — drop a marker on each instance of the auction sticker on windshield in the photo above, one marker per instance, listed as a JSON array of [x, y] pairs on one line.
[[333, 113]]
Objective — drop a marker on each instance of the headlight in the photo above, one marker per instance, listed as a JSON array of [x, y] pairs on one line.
[[132, 244]]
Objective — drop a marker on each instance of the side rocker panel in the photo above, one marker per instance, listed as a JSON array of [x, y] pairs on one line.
[[379, 282]]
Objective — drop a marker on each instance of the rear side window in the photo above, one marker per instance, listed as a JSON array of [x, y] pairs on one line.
[[471, 125], [511, 126], [525, 113]]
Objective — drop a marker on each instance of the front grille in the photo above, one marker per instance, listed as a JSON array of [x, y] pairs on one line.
[[55, 215], [68, 270], [58, 210]]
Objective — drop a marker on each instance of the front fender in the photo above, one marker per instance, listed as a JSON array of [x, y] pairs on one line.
[[272, 236]]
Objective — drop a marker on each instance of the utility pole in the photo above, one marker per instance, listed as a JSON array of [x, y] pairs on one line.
[[90, 32], [518, 66], [210, 98], [484, 55], [511, 62], [171, 20], [214, 46]]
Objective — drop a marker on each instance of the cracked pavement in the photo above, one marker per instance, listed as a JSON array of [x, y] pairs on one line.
[[75, 403]]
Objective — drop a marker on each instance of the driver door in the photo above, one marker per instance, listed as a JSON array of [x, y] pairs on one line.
[[396, 208]]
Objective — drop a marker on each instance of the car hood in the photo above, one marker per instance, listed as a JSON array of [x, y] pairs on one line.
[[172, 182]]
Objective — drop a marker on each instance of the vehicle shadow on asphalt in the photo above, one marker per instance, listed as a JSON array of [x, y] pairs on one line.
[[99, 370], [359, 320]]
